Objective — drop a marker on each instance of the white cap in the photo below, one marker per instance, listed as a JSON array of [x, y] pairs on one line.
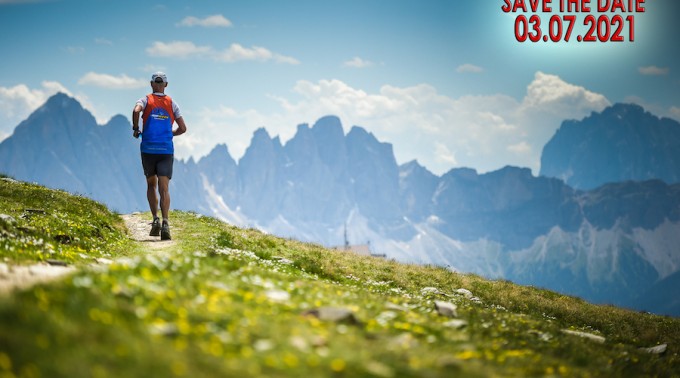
[[159, 75]]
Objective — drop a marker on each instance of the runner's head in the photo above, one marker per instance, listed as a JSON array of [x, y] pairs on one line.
[[159, 81]]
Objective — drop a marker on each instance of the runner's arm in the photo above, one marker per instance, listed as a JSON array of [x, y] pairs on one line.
[[135, 119], [181, 127]]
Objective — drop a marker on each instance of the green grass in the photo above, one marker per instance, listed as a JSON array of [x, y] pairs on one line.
[[48, 224], [226, 301]]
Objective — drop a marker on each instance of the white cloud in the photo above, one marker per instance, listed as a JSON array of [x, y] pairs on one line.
[[444, 155], [357, 62], [520, 148], [214, 21], [551, 95], [178, 49], [482, 132], [469, 68], [278, 58], [111, 82], [235, 52], [152, 68], [654, 71]]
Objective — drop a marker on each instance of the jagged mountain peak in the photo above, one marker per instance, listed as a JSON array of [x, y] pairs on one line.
[[413, 170], [61, 100], [623, 142], [118, 119], [220, 150], [462, 173], [59, 111], [261, 134], [329, 126], [411, 166], [623, 109], [512, 171], [303, 128]]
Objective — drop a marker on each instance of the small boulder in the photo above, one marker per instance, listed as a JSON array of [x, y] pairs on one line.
[[333, 314], [456, 323], [430, 290], [659, 349], [278, 295], [395, 307], [585, 335], [7, 219], [446, 309]]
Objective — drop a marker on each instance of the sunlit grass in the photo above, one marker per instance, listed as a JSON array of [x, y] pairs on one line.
[[45, 224], [226, 301]]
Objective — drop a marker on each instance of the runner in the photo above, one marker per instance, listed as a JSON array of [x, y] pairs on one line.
[[158, 113]]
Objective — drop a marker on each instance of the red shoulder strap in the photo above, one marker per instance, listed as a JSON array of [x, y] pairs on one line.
[[158, 101]]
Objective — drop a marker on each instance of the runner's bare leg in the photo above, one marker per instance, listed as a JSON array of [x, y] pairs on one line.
[[151, 184], [164, 191]]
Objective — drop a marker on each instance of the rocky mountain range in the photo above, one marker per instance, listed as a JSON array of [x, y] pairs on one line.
[[611, 243]]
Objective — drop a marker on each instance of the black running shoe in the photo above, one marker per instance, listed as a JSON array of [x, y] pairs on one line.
[[155, 227], [165, 232]]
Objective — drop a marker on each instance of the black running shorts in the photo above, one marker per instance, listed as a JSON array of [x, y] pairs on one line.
[[157, 164]]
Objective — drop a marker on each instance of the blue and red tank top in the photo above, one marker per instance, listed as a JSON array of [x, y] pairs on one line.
[[158, 118]]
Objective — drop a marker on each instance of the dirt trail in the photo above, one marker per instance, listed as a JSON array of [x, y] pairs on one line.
[[24, 276], [139, 230]]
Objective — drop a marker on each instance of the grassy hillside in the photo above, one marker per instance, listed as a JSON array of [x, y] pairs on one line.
[[226, 301]]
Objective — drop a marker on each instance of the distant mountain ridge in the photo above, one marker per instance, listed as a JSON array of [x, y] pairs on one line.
[[60, 145], [623, 142], [611, 244]]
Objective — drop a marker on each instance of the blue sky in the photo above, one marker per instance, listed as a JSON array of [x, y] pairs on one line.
[[444, 81]]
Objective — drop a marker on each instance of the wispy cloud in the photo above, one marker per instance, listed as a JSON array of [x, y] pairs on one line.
[[178, 49], [103, 41], [152, 68], [111, 82], [654, 71], [469, 68], [75, 49], [443, 155], [234, 53], [520, 148], [214, 21], [357, 62]]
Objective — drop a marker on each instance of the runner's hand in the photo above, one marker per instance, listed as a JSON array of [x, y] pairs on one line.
[[136, 133]]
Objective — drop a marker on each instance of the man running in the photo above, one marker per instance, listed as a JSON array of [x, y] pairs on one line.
[[158, 113]]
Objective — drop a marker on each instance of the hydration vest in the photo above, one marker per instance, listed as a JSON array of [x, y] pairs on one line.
[[157, 119]]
